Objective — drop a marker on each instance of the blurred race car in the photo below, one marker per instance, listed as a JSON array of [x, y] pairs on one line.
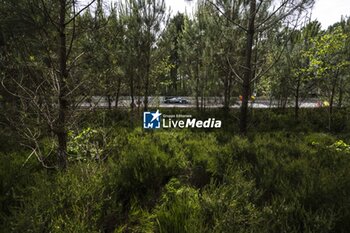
[[176, 100]]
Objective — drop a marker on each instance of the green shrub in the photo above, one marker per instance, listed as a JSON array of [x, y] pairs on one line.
[[139, 221], [70, 201], [230, 206], [142, 168], [14, 180], [293, 217], [179, 210], [85, 145], [182, 181]]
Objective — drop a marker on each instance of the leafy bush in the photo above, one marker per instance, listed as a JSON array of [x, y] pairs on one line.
[[137, 174], [230, 206], [84, 145], [68, 202], [179, 210], [14, 180], [182, 181]]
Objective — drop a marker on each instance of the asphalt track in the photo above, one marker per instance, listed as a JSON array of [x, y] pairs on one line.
[[210, 102]]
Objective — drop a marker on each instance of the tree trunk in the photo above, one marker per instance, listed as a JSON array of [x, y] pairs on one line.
[[145, 101], [61, 132], [118, 93], [132, 104], [173, 73], [331, 101], [202, 102], [197, 86], [296, 106], [341, 90], [248, 68], [226, 93], [148, 68], [109, 100], [229, 92]]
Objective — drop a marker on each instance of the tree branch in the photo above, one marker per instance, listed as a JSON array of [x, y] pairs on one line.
[[233, 22], [76, 15]]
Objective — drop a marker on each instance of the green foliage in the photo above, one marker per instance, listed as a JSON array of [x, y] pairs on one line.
[[184, 181], [68, 202], [340, 146], [299, 181], [14, 180], [283, 216], [179, 210], [84, 145], [325, 54], [230, 206], [139, 221], [142, 167], [284, 176]]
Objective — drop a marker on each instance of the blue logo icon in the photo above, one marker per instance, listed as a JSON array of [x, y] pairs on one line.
[[151, 120]]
